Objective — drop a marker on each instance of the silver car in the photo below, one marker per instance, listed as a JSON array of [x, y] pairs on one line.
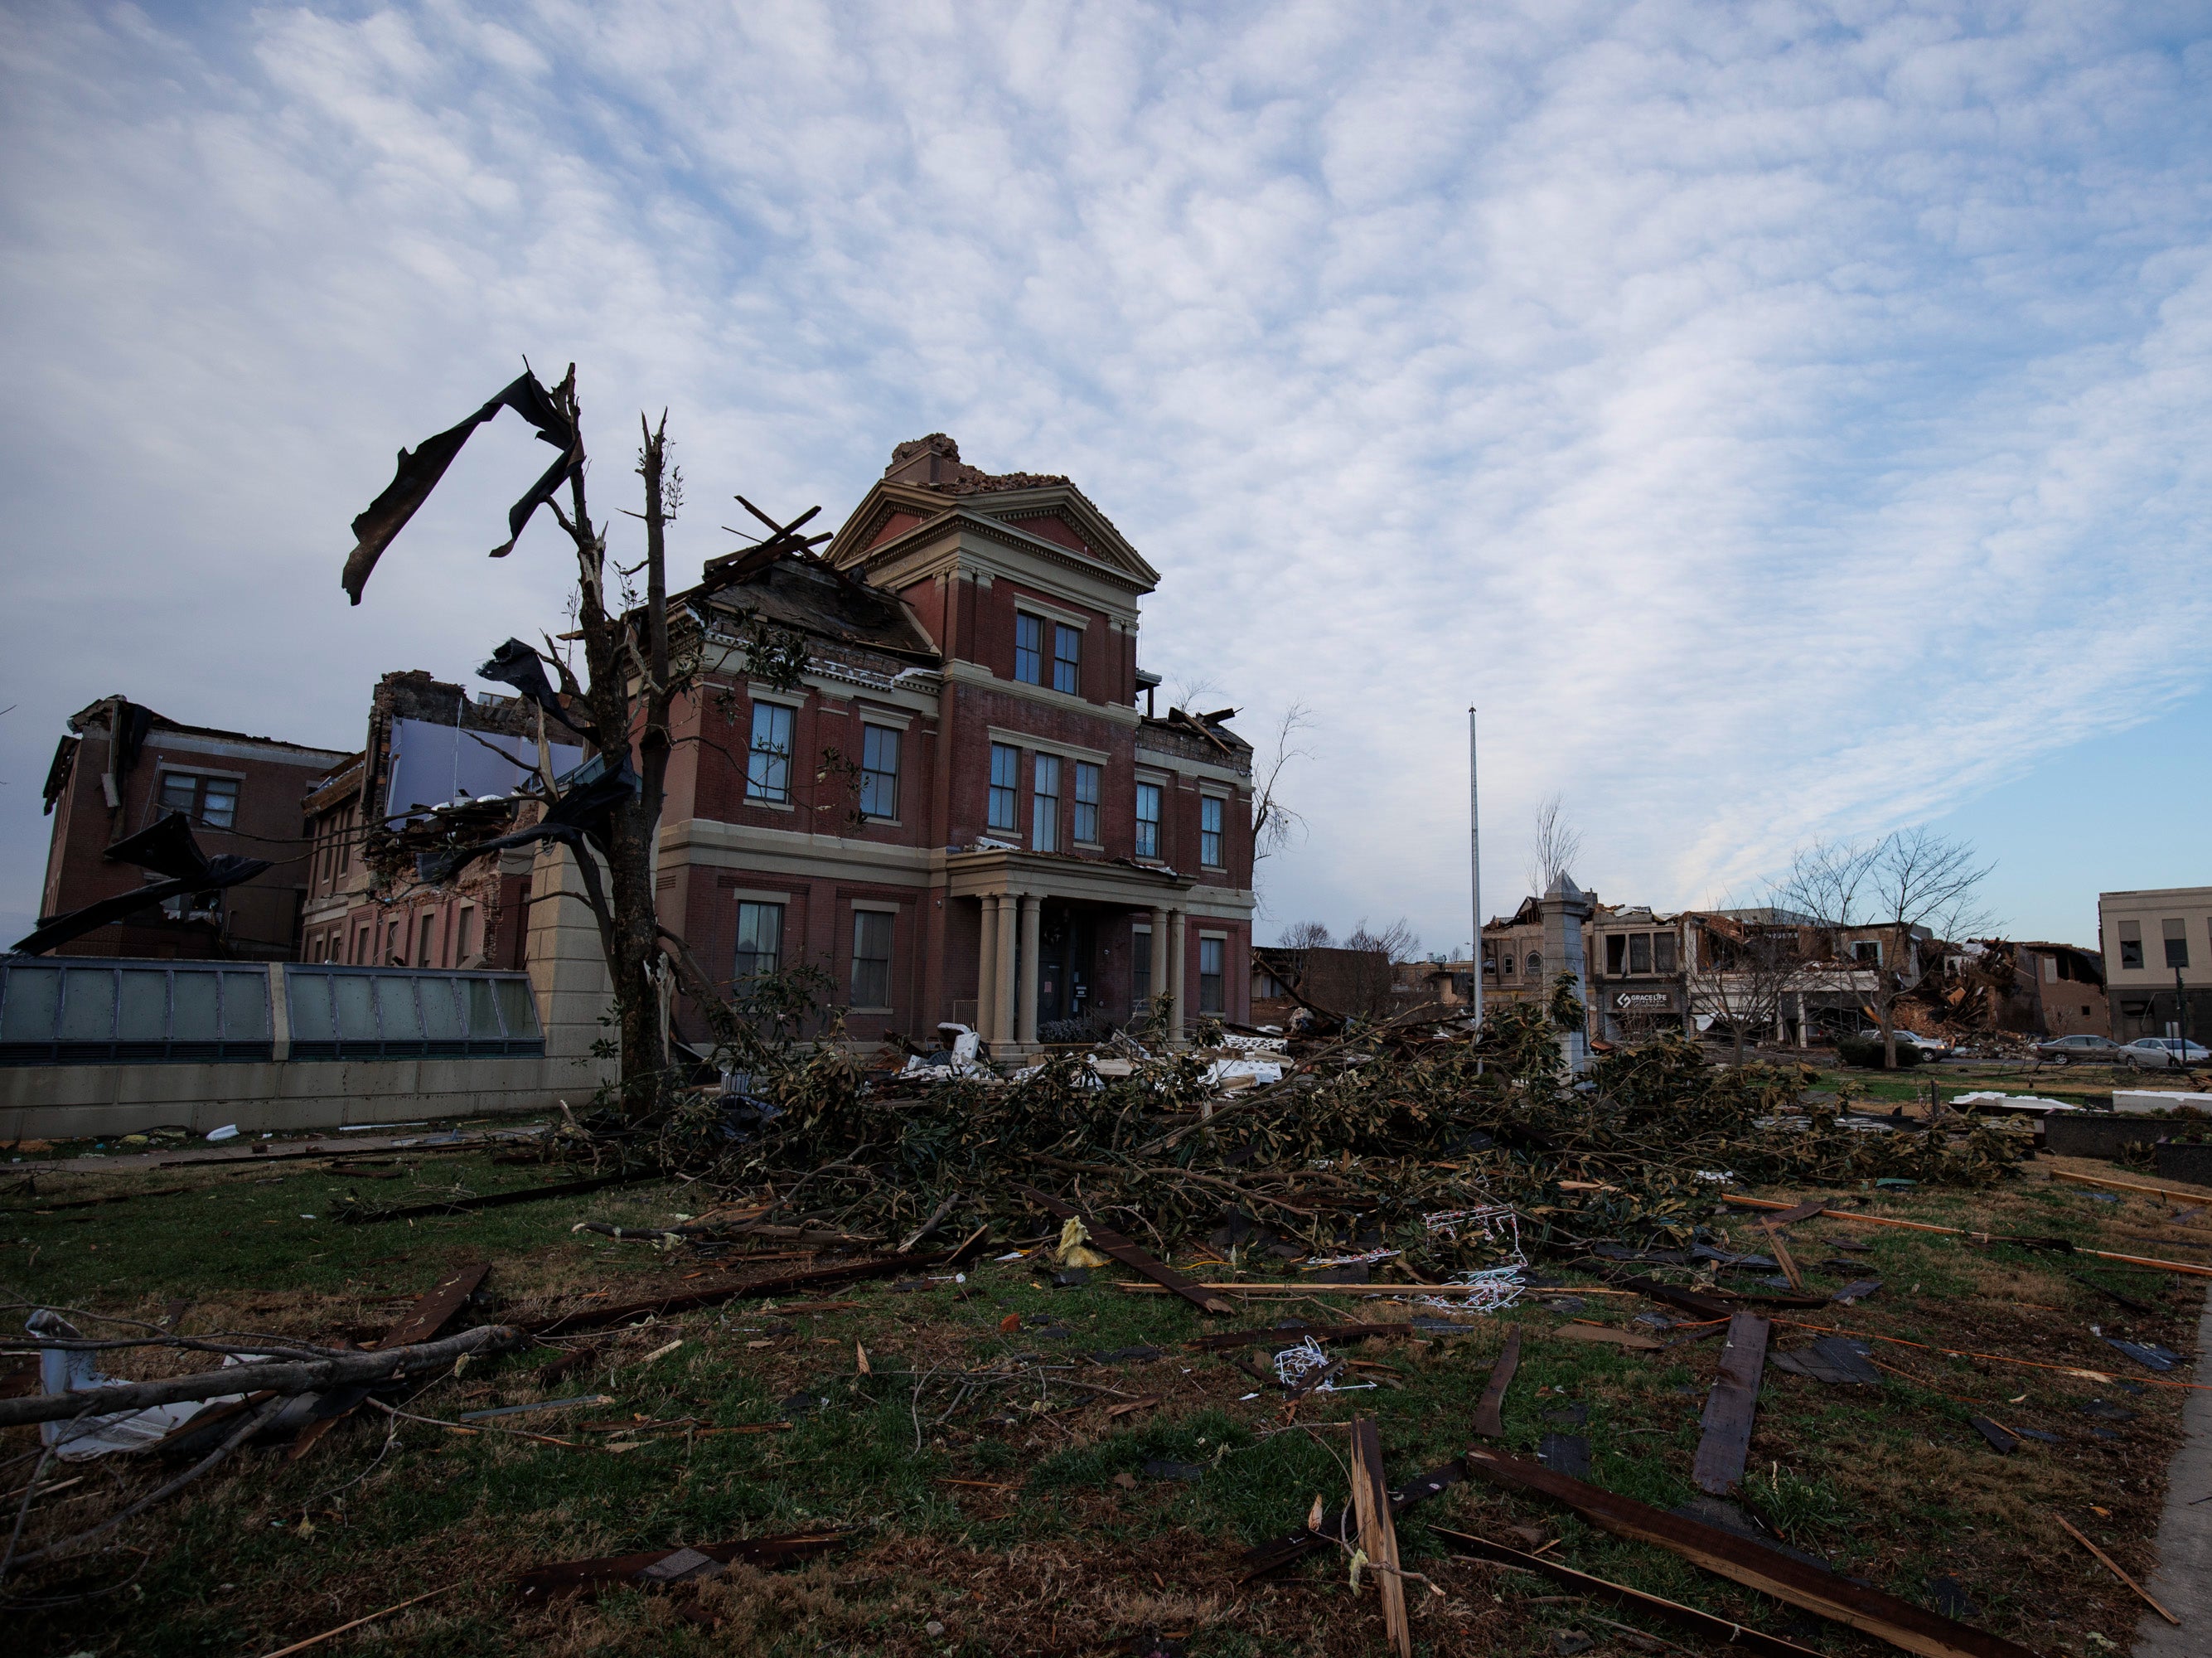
[[2163, 1053], [2080, 1050]]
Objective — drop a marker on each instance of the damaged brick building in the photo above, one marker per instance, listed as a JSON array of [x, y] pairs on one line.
[[119, 767], [961, 813], [433, 755]]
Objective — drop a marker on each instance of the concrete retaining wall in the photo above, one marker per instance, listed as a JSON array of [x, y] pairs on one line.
[[52, 1102]]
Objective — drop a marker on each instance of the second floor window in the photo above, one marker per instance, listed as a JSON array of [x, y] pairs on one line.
[[1209, 831], [871, 959], [1639, 953], [1044, 806], [2131, 954], [210, 800], [1087, 781], [768, 767], [879, 767], [1029, 648], [1663, 953], [1005, 786], [2177, 943], [1148, 819], [760, 939], [1068, 659]]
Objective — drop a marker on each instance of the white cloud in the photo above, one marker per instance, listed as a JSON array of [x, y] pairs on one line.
[[1771, 416]]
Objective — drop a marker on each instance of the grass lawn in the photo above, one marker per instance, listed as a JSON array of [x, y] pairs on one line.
[[1004, 1509]]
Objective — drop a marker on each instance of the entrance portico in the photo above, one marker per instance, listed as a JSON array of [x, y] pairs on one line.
[[1056, 935]]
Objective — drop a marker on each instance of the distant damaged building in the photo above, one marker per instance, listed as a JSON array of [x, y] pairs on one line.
[[122, 767]]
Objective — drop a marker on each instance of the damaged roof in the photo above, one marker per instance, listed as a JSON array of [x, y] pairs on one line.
[[797, 591]]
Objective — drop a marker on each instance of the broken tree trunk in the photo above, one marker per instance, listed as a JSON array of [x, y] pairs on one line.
[[303, 1376], [1378, 1538]]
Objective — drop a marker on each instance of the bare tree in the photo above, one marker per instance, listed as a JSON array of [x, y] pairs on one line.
[[1306, 935], [1878, 906], [1744, 971], [1370, 969], [1274, 822], [610, 814], [1554, 843]]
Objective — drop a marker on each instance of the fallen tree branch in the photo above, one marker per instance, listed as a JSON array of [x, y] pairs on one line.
[[314, 1375]]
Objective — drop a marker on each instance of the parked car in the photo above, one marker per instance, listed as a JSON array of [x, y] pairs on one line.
[[2163, 1053], [1930, 1047], [2081, 1051]]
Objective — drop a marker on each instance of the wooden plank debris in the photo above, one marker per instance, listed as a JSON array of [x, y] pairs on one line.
[[1267, 1557], [1718, 1630], [429, 1316], [1913, 1629], [317, 1640], [1113, 1243], [1836, 1360], [1730, 1407], [1488, 1422], [1604, 1332], [1378, 1538], [2112, 1566]]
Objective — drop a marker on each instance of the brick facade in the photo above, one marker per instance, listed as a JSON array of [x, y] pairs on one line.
[[915, 623], [362, 905]]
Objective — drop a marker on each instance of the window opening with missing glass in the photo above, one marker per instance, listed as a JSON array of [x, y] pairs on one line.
[[1148, 821], [2131, 954], [1044, 805], [760, 939], [209, 801], [768, 767], [2176, 938], [1089, 779], [1005, 787], [879, 770], [871, 959]]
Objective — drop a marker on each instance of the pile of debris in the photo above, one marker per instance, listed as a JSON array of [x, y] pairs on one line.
[[1372, 1141]]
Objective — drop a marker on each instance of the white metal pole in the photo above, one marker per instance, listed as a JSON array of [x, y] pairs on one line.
[[1475, 854]]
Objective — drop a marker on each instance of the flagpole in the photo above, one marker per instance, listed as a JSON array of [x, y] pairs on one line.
[[1474, 855]]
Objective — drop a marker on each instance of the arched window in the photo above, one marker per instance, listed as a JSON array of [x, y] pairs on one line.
[[1535, 964]]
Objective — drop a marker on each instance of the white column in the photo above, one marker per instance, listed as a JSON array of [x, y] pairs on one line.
[[1176, 949], [1159, 975], [987, 970], [1026, 1015], [1002, 999]]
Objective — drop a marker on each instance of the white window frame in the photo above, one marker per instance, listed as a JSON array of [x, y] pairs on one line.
[[864, 913], [759, 902], [1095, 806], [756, 773], [896, 739], [1220, 837], [1044, 820], [1011, 789]]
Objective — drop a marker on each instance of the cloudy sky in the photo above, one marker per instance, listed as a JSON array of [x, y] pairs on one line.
[[1783, 420]]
